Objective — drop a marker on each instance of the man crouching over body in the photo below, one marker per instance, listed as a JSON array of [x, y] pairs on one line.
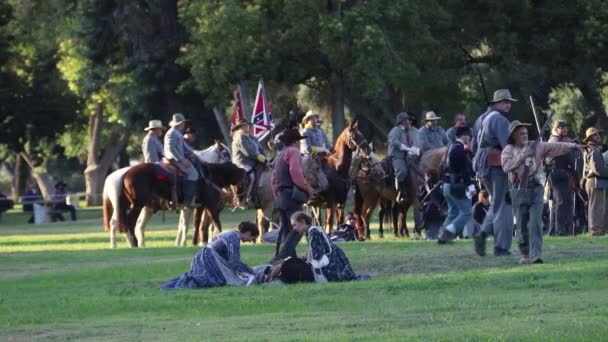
[[522, 158]]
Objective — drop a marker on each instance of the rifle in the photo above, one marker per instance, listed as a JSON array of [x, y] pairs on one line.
[[523, 180]]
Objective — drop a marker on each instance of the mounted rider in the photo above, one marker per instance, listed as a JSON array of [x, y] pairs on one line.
[[180, 154], [316, 140], [248, 154], [402, 145], [431, 136], [151, 146]]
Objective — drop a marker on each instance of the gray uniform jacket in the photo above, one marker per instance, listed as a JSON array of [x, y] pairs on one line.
[[396, 137], [493, 131], [451, 133], [175, 145], [152, 148], [245, 150], [314, 137], [430, 138]]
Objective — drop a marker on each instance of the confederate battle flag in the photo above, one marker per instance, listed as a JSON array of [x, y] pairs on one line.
[[237, 112], [262, 116]]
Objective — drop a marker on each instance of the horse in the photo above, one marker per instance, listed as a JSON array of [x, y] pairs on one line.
[[337, 172], [216, 153], [143, 183], [371, 188]]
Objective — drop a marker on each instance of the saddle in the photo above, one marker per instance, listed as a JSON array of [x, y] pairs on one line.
[[166, 171]]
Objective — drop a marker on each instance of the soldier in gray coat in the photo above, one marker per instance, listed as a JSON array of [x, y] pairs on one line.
[[177, 151], [402, 145], [316, 140], [459, 121], [151, 147], [432, 136], [248, 154], [492, 137]]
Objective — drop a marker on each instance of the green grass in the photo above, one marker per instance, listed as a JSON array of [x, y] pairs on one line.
[[62, 282]]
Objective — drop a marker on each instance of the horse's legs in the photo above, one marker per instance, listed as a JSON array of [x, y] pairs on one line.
[[132, 215], [185, 216], [339, 214], [142, 221], [329, 220], [381, 214], [404, 211], [197, 227], [205, 226], [113, 227], [214, 214], [395, 216]]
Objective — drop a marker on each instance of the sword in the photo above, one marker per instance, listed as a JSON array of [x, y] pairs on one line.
[[540, 131]]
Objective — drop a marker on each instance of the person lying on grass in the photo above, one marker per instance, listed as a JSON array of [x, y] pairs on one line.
[[219, 263]]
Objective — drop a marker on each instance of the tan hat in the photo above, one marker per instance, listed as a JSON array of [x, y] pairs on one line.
[[178, 118], [154, 124], [309, 114], [501, 95], [591, 131], [431, 116], [515, 125]]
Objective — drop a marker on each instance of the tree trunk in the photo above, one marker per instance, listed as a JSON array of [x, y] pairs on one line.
[[337, 113], [220, 118], [97, 168], [43, 180], [21, 177]]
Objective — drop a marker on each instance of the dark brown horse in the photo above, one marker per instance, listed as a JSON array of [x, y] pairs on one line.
[[375, 183], [143, 183], [337, 172]]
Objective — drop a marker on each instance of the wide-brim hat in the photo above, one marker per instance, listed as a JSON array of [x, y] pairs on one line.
[[154, 124], [177, 119], [591, 131], [241, 122], [514, 125], [403, 116], [290, 135], [431, 116], [560, 123], [502, 95], [309, 114]]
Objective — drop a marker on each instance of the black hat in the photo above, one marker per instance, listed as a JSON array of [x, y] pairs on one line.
[[189, 130], [460, 131], [294, 270], [290, 135], [60, 184]]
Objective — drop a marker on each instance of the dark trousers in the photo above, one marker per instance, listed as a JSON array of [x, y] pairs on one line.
[[63, 207], [562, 216], [287, 239]]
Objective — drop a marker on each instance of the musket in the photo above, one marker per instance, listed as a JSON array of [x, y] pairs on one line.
[[540, 131], [523, 180]]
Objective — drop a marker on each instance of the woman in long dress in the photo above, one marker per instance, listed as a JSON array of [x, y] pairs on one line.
[[219, 263], [328, 261]]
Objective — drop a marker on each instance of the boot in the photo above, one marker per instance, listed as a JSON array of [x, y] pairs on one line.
[[190, 194], [250, 198], [402, 195]]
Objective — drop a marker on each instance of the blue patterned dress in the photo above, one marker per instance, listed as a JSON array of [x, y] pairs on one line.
[[218, 264], [323, 254]]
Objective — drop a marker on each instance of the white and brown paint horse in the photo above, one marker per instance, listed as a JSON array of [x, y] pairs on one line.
[[217, 153]]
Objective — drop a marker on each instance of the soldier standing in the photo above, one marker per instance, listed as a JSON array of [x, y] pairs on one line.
[[492, 133], [595, 179], [459, 121], [520, 159], [561, 177]]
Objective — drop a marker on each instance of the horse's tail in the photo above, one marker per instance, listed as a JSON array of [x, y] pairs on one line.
[[107, 212], [387, 209]]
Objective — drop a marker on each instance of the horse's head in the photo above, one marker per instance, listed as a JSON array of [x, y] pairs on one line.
[[368, 166], [222, 151], [216, 153], [313, 173], [355, 140], [226, 174]]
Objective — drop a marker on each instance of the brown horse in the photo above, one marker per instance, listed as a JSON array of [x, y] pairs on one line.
[[337, 172], [374, 182], [143, 183]]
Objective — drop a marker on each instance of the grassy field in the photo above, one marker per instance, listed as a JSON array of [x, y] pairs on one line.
[[62, 282]]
